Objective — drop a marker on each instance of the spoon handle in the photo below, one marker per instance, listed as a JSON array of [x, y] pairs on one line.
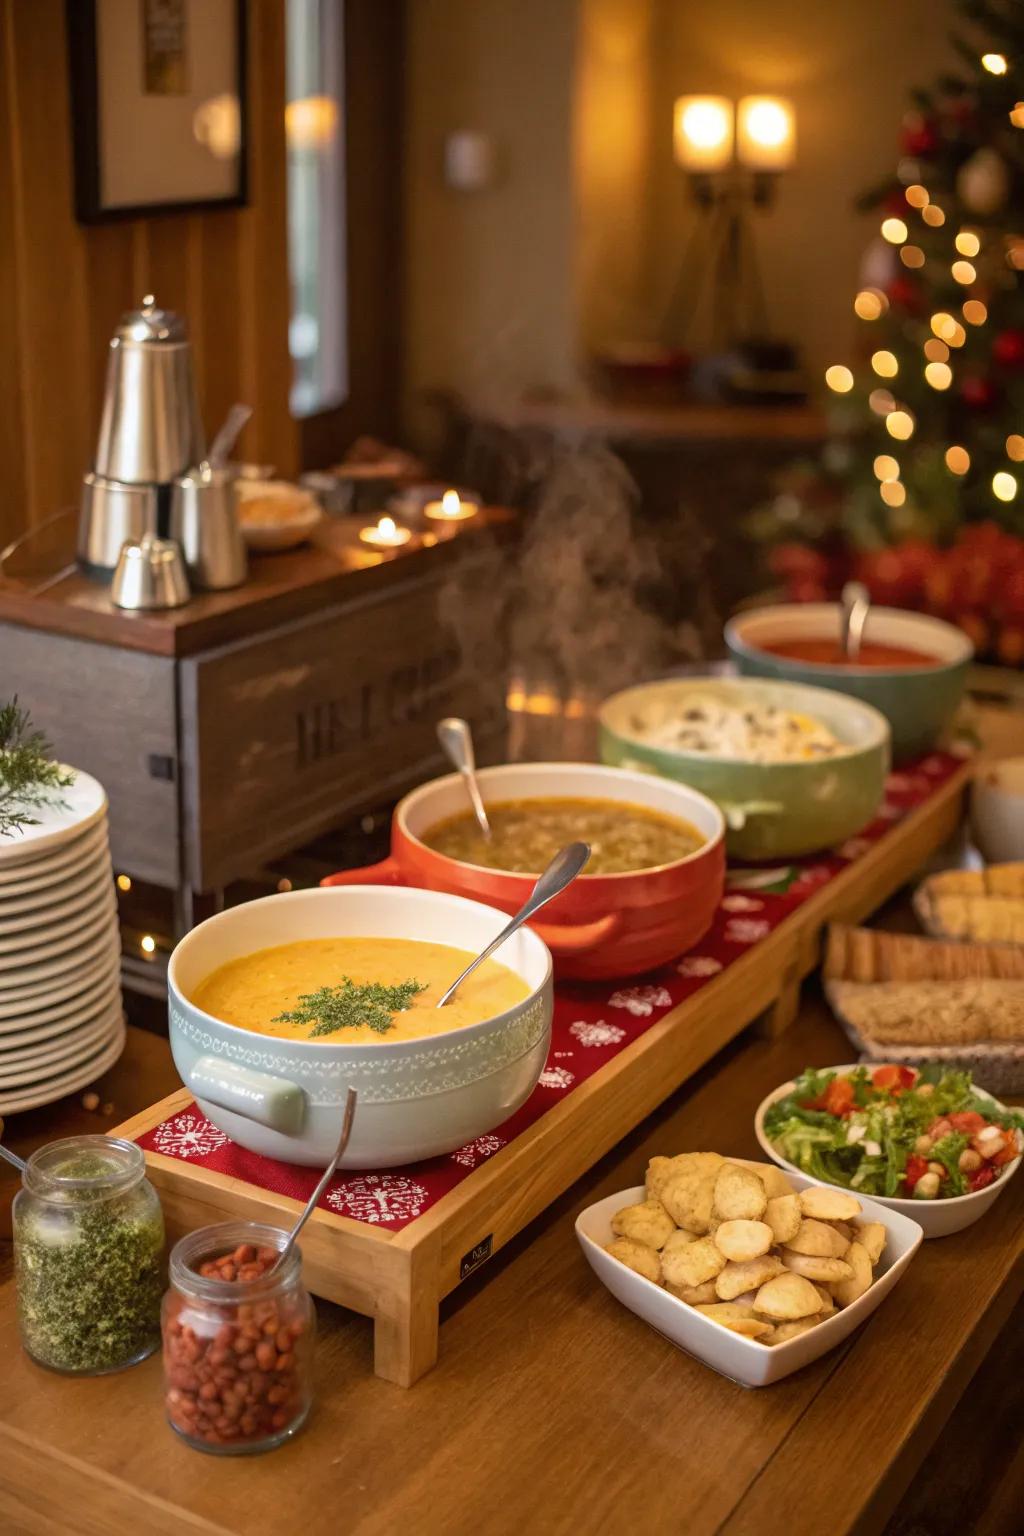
[[855, 604], [562, 870], [457, 740], [328, 1173]]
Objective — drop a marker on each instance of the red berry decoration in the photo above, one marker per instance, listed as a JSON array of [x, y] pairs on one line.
[[1008, 349], [919, 135], [978, 393]]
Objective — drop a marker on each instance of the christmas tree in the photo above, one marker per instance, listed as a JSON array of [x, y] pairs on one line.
[[920, 488]]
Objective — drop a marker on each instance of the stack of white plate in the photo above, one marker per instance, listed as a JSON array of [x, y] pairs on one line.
[[61, 1023]]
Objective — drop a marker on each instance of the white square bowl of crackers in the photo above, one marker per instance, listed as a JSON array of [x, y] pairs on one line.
[[752, 1271]]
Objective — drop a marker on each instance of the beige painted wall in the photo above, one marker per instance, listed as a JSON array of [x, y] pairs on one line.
[[580, 242], [847, 65], [488, 289]]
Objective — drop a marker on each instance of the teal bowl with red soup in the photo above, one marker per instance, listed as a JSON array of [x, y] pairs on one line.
[[912, 667]]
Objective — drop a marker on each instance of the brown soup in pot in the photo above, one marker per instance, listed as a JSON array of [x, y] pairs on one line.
[[528, 833]]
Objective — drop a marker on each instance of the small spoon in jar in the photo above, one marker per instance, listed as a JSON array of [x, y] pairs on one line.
[[11, 1157], [311, 1203], [562, 871], [457, 740], [854, 607]]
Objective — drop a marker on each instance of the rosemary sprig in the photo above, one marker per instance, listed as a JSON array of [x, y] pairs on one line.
[[351, 1004], [29, 779]]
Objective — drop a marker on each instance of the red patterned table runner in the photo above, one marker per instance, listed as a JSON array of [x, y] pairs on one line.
[[593, 1021]]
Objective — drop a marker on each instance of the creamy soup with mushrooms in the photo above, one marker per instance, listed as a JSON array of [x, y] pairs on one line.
[[356, 991], [526, 835]]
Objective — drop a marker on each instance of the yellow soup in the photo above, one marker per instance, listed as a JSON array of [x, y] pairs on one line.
[[336, 984], [526, 835]]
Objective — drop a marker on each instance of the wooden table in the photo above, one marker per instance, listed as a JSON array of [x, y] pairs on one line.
[[553, 1409]]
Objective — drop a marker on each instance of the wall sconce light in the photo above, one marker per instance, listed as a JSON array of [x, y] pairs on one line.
[[702, 133], [733, 157], [470, 161]]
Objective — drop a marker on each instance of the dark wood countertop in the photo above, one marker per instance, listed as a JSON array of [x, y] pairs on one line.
[[333, 568], [553, 1409]]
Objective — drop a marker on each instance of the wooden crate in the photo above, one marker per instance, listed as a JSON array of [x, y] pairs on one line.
[[400, 1278]]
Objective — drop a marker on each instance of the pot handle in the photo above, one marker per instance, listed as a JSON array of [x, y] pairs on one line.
[[386, 872], [260, 1096], [738, 812], [575, 938]]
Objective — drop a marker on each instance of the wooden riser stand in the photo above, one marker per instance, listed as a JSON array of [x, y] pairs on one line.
[[400, 1278]]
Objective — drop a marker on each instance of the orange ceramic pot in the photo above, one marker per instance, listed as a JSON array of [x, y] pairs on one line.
[[603, 925]]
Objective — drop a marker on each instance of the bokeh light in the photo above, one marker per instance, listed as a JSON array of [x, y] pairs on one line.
[[958, 460], [839, 378], [939, 375], [900, 424], [894, 230], [1004, 485], [886, 467], [885, 364]]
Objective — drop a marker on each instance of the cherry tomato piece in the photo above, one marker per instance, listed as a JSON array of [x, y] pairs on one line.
[[839, 1096], [979, 1180], [915, 1169]]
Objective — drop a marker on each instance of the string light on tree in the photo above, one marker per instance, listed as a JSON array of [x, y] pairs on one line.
[[881, 402], [912, 256], [894, 230], [1015, 447], [870, 304], [935, 350], [1017, 115], [917, 196], [887, 468], [943, 325], [900, 424], [975, 312], [938, 375], [967, 243], [1004, 485], [995, 63], [933, 215], [958, 460], [839, 378], [892, 493], [964, 272], [885, 364]]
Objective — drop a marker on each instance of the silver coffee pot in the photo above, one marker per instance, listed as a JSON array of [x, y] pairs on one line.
[[150, 430]]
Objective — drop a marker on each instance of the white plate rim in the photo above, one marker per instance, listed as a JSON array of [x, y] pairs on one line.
[[78, 936], [33, 840], [67, 904], [40, 871], [77, 1043], [87, 1072], [100, 995], [66, 982]]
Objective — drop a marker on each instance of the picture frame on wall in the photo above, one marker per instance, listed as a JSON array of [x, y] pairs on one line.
[[159, 118]]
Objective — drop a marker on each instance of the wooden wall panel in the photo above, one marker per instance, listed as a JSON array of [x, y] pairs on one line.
[[62, 285]]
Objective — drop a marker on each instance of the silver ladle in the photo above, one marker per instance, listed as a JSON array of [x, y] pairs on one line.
[[311, 1203], [457, 740], [562, 871], [854, 607]]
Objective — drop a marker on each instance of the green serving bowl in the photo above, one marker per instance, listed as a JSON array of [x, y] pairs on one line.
[[918, 702], [772, 810]]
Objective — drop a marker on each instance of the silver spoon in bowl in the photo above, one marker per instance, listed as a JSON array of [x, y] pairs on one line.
[[310, 1206], [854, 607], [457, 740], [11, 1157], [562, 871]]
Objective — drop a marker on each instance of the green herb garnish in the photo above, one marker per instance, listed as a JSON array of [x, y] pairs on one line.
[[28, 777], [351, 1004]]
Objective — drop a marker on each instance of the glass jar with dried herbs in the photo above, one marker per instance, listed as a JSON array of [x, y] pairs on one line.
[[89, 1256]]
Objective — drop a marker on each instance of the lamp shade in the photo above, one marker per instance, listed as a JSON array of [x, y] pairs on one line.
[[765, 133], [703, 132]]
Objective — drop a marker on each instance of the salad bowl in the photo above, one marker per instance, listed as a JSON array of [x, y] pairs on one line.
[[744, 1360], [937, 1217]]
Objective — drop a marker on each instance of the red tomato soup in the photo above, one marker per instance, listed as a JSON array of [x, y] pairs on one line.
[[828, 653]]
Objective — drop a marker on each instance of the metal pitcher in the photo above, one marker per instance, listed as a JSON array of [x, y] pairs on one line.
[[205, 524], [150, 429], [111, 513]]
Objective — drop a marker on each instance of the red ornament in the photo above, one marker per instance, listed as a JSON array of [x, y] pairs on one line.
[[903, 293], [919, 135], [961, 110], [1008, 349], [978, 393]]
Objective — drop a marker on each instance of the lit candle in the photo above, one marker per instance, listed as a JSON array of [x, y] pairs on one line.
[[702, 133], [765, 133], [386, 535], [450, 509]]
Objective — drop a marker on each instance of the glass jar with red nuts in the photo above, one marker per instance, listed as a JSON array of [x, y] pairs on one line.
[[238, 1340]]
